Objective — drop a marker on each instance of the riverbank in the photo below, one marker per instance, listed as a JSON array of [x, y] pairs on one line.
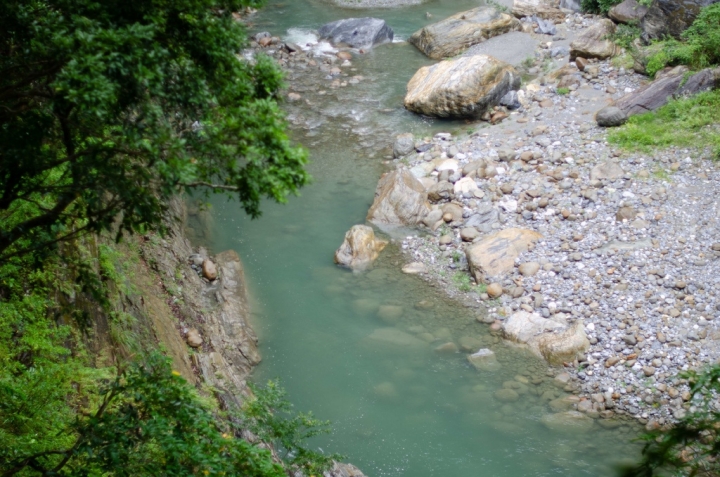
[[616, 229]]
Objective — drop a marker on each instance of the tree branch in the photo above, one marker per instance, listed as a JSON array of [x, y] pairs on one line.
[[211, 185]]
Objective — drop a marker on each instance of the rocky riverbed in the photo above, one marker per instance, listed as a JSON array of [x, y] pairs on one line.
[[625, 246]]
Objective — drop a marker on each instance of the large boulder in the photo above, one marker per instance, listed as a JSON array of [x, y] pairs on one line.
[[463, 88], [670, 17], [653, 95], [629, 12], [610, 116], [400, 199], [360, 248], [551, 340], [356, 32], [704, 80], [595, 42], [484, 360], [546, 9], [457, 33], [495, 255]]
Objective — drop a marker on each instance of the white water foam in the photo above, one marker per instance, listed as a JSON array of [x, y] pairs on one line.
[[308, 41]]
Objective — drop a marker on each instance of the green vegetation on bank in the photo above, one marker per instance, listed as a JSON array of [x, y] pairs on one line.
[[687, 122], [692, 446], [699, 48], [108, 110]]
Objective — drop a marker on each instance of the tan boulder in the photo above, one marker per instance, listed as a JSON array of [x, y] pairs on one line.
[[400, 199], [209, 269], [595, 42], [495, 255], [193, 338], [459, 32], [545, 9], [465, 87], [555, 342], [360, 248]]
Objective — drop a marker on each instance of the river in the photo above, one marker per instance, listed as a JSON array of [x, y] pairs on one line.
[[353, 348]]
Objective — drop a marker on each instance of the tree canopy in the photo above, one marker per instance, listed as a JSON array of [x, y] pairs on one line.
[[109, 108]]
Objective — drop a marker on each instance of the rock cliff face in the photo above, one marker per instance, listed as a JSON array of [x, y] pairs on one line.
[[670, 17], [216, 310]]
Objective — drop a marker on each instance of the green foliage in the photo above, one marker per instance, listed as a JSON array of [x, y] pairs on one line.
[[598, 6], [563, 91], [625, 36], [269, 416], [109, 108], [690, 122], [148, 422], [692, 446], [699, 49]]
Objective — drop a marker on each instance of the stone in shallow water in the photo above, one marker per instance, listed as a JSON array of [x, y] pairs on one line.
[[414, 268], [484, 360], [357, 32], [396, 338], [360, 248], [568, 422]]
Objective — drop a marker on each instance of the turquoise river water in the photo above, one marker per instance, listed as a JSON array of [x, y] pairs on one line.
[[397, 408]]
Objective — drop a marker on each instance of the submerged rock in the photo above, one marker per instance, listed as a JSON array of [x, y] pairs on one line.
[[465, 87], [360, 248], [495, 255], [357, 32], [457, 33], [400, 199], [595, 42], [568, 422]]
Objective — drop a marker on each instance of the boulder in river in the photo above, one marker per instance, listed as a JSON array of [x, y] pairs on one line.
[[555, 342], [360, 248], [595, 42], [404, 144], [546, 9], [670, 17], [357, 32], [629, 11], [495, 255], [400, 199], [484, 360], [457, 33], [465, 87]]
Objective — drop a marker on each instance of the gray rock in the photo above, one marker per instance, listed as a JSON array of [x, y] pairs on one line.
[[610, 116], [704, 80], [404, 145], [510, 100], [484, 360], [629, 11], [670, 17], [653, 95], [608, 170], [545, 27], [357, 32], [468, 234]]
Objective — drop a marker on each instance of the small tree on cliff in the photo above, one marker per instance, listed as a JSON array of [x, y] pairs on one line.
[[109, 108]]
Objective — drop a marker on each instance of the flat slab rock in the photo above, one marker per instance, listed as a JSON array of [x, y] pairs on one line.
[[357, 32], [495, 255], [457, 33]]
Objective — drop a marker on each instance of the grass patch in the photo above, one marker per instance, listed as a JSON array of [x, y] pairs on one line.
[[683, 122], [563, 91]]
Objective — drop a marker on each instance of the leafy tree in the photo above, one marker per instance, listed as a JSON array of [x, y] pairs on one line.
[[692, 446], [148, 422], [109, 108]]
